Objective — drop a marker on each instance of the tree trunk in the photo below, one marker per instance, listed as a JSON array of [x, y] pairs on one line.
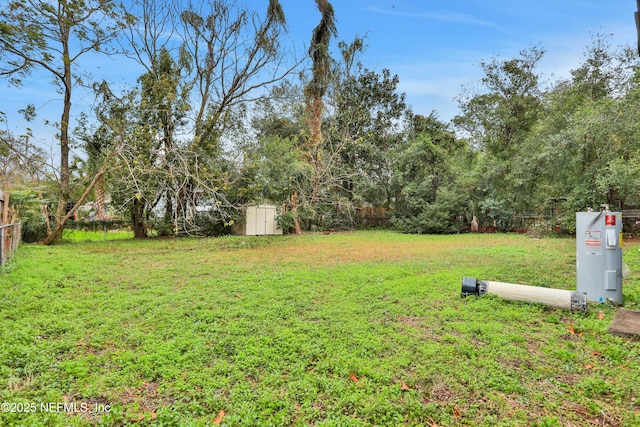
[[315, 152], [137, 217], [45, 213], [294, 211], [170, 218], [63, 197], [5, 210], [102, 212], [168, 213], [56, 234]]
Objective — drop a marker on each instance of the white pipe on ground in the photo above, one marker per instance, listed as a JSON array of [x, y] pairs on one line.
[[557, 298]]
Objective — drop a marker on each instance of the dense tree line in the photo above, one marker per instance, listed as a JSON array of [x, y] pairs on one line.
[[223, 115]]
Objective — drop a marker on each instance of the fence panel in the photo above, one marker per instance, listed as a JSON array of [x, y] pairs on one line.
[[9, 240]]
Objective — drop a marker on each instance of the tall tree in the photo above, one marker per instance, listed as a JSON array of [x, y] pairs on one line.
[[234, 55], [52, 37], [204, 63], [226, 70], [315, 91], [498, 117], [428, 178], [365, 123], [497, 120], [137, 175], [320, 70], [587, 140], [163, 106]]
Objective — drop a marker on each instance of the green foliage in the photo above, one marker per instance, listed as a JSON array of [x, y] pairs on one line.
[[278, 169], [320, 55], [587, 136], [428, 182], [96, 225], [547, 422], [442, 216], [337, 140], [208, 224], [500, 116], [350, 166], [575, 142], [363, 129], [34, 231], [497, 213], [28, 206], [285, 221]]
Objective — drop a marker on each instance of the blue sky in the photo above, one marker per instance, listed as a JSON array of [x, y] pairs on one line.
[[435, 46]]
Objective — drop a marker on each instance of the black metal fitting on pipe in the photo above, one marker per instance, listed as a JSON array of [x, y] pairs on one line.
[[471, 286]]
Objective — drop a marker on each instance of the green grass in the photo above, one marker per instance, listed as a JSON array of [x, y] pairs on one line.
[[75, 236], [346, 329]]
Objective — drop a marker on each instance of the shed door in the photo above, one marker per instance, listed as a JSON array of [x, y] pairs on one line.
[[251, 220], [270, 220], [261, 217]]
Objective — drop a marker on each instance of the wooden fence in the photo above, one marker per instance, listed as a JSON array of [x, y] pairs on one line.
[[4, 207], [9, 240]]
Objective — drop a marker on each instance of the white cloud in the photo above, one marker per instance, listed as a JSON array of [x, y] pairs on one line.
[[442, 16]]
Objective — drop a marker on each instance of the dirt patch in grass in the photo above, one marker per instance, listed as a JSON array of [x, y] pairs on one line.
[[347, 247], [441, 393], [412, 321]]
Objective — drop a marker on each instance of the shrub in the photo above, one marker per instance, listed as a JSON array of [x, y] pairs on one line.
[[33, 231], [497, 213], [440, 217], [28, 207]]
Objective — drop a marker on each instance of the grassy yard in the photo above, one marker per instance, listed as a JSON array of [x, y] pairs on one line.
[[346, 329], [77, 236]]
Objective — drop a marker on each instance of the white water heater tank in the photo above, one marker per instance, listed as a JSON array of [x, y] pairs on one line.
[[599, 255]]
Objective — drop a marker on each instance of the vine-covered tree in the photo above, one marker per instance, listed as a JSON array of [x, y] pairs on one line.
[[315, 91], [321, 62]]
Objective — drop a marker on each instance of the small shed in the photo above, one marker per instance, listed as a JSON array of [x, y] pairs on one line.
[[257, 220]]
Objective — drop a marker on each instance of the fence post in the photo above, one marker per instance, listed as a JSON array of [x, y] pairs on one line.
[[5, 209], [10, 236], [17, 236], [2, 255]]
